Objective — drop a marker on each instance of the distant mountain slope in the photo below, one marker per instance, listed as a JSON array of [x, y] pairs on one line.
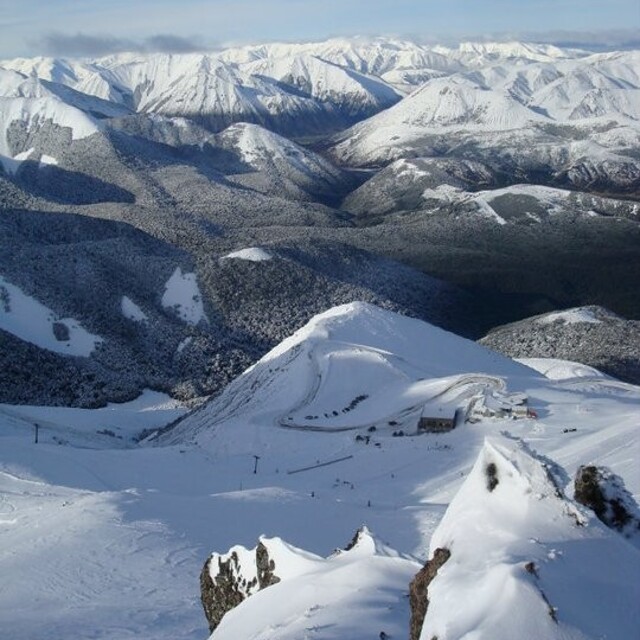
[[295, 94], [589, 335], [471, 188], [112, 310], [273, 164], [569, 121]]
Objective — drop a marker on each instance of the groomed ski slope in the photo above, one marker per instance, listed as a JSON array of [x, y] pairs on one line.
[[102, 541]]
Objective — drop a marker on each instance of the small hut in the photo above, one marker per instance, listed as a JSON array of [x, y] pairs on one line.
[[436, 424]]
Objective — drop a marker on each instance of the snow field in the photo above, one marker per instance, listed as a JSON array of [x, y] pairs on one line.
[[144, 519]]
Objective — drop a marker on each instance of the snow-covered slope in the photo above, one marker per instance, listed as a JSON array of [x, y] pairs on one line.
[[356, 593], [352, 367], [591, 335], [279, 165], [527, 563], [352, 92], [29, 320], [129, 527]]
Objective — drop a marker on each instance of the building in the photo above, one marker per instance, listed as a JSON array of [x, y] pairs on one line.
[[438, 424]]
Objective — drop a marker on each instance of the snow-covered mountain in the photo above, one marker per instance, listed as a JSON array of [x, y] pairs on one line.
[[400, 364], [571, 98], [315, 87], [126, 517], [462, 187], [591, 335], [274, 164], [297, 94]]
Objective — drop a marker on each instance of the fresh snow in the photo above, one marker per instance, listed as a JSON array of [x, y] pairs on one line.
[[571, 316], [131, 310], [30, 320], [252, 254], [35, 112], [582, 580], [183, 296], [117, 534], [351, 594], [556, 369]]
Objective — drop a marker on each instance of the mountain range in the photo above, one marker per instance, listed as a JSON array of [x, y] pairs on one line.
[[471, 186]]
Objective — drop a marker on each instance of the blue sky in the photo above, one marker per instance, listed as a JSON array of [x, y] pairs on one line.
[[68, 27]]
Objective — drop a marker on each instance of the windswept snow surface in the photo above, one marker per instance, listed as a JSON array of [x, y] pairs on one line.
[[182, 294], [352, 594], [556, 369], [571, 316], [106, 539], [252, 254], [527, 563], [131, 310], [30, 320]]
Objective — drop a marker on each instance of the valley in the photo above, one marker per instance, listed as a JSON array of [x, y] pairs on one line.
[[261, 301]]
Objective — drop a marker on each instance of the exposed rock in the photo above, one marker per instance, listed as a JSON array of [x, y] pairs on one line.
[[266, 567], [218, 595], [492, 476], [357, 537], [604, 493], [419, 590], [227, 580]]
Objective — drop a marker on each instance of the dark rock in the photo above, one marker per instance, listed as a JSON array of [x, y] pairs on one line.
[[224, 583], [492, 476], [419, 591], [604, 493], [266, 567]]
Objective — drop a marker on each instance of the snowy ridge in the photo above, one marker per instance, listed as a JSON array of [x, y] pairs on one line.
[[355, 593], [32, 113], [510, 532], [352, 367]]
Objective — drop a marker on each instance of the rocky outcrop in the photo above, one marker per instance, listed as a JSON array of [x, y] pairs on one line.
[[604, 493], [419, 590], [226, 580]]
